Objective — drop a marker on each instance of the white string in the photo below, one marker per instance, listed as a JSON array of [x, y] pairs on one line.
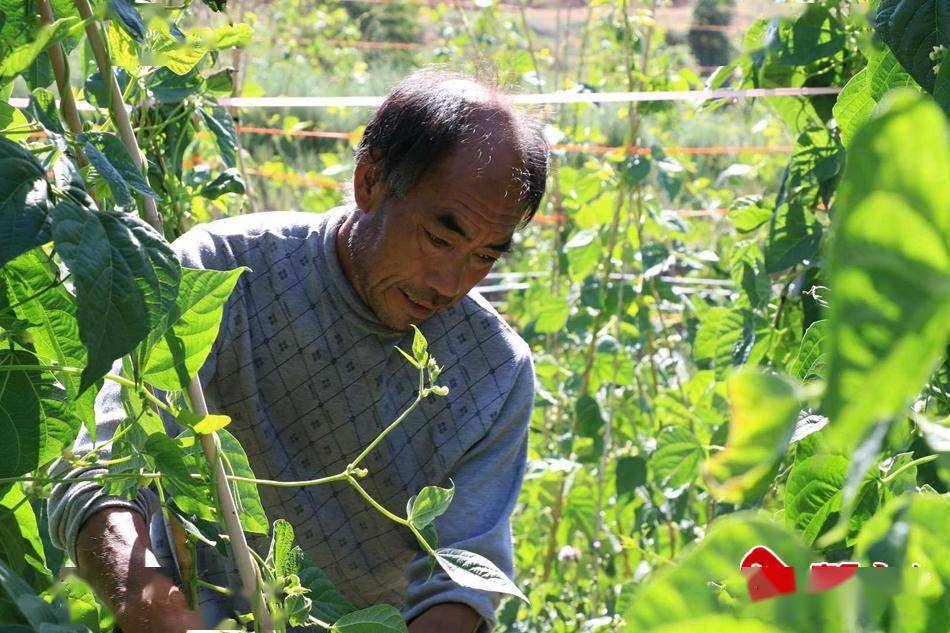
[[697, 96]]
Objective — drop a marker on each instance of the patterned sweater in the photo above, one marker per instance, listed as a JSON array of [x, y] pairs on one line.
[[309, 377]]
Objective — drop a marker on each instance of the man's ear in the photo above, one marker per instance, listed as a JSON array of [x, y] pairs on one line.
[[367, 188]]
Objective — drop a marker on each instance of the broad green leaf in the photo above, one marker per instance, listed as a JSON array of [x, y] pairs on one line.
[[282, 555], [118, 156], [747, 268], [889, 267], [475, 572], [128, 16], [764, 409], [724, 338], [747, 214], [111, 176], [812, 36], [707, 581], [228, 181], [811, 359], [122, 47], [24, 221], [431, 502], [631, 473], [36, 610], [590, 422], [250, 510], [43, 109], [550, 311], [715, 622], [33, 281], [813, 495], [865, 89], [219, 121], [176, 349], [230, 36], [794, 236], [328, 604], [910, 531], [583, 251], [176, 476], [912, 28], [677, 457], [20, 543], [22, 423], [211, 423], [20, 58], [169, 87], [379, 618], [126, 278]]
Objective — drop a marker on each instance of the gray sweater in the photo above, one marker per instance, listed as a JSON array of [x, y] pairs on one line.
[[309, 377]]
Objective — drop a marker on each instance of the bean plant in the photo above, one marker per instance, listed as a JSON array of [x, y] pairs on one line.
[[89, 283]]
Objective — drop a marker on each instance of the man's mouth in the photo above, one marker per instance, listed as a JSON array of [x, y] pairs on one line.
[[416, 308]]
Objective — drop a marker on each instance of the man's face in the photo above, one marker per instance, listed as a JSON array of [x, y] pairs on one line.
[[416, 255]]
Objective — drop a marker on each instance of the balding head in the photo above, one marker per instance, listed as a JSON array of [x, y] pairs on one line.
[[431, 114]]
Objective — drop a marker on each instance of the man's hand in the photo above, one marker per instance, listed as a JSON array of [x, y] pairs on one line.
[[115, 557], [448, 617]]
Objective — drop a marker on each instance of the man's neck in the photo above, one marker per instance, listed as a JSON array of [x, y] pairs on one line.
[[345, 254]]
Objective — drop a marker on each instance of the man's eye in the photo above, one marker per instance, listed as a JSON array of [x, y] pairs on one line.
[[437, 241], [488, 259]]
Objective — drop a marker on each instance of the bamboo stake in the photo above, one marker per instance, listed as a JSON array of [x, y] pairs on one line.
[[117, 107], [61, 72], [239, 546]]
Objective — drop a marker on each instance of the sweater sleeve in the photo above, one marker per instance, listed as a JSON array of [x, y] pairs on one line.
[[71, 503], [487, 483]]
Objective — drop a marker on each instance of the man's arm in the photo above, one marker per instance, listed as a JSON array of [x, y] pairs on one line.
[[448, 617], [115, 557]]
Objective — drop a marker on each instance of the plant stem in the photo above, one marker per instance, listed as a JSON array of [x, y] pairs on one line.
[[916, 462], [290, 484], [61, 72], [117, 105], [397, 422], [223, 590]]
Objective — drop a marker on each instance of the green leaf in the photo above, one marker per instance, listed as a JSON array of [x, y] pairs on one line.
[[202, 424], [550, 311], [43, 109], [419, 346], [379, 618], [248, 499], [33, 281], [19, 59], [583, 252], [707, 581], [764, 408], [725, 337], [814, 35], [24, 222], [475, 572], [889, 267], [129, 18], [794, 236], [813, 494], [589, 420], [811, 359], [910, 530], [631, 474], [36, 610], [126, 278], [676, 460], [328, 604], [747, 214], [912, 28], [58, 424], [431, 502], [282, 554], [176, 476], [176, 349], [219, 121], [169, 87], [865, 89], [118, 156], [231, 35], [412, 361], [20, 543], [111, 175], [228, 181]]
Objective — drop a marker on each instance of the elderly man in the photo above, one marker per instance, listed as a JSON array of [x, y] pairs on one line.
[[304, 364]]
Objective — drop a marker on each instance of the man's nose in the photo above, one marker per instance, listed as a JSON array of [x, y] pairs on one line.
[[447, 276]]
